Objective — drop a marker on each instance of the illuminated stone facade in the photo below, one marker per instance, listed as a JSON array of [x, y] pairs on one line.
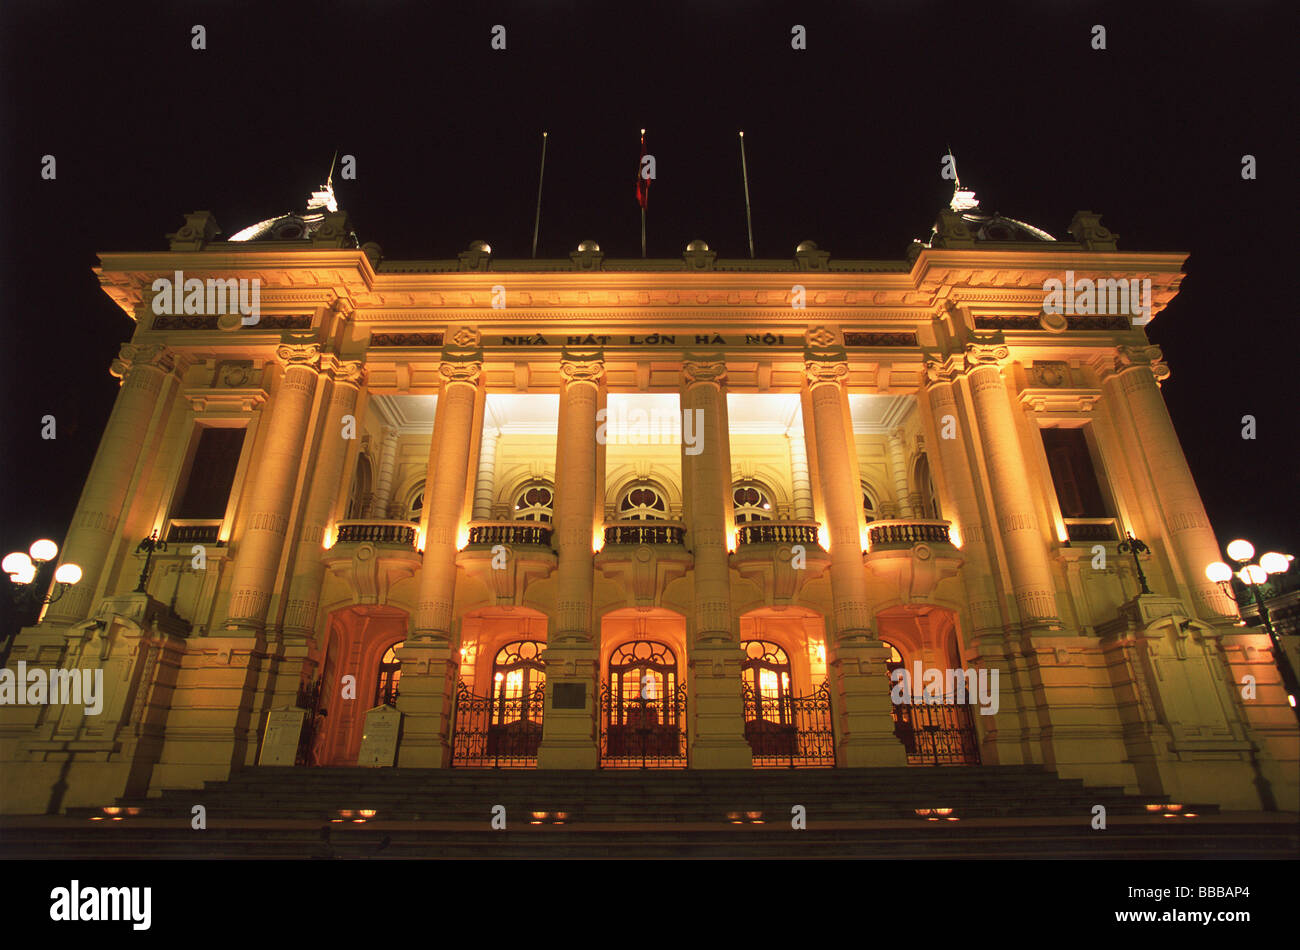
[[838, 457]]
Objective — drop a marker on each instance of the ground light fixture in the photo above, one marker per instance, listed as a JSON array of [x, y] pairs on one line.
[[1251, 576]]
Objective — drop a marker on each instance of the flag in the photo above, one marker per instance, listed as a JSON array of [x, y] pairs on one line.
[[642, 184]]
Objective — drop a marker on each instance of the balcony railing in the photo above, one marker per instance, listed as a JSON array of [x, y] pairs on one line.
[[645, 532], [510, 532], [377, 532], [777, 532], [1091, 529], [193, 531], [906, 533]]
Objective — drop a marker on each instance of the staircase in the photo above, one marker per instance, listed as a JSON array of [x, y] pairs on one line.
[[1000, 811]]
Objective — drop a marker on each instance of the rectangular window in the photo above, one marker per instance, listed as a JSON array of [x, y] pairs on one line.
[[1073, 474], [211, 475]]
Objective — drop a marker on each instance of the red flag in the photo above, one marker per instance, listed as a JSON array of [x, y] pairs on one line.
[[642, 184]]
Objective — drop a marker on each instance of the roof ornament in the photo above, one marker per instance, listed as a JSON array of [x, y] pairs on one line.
[[325, 197], [962, 199]]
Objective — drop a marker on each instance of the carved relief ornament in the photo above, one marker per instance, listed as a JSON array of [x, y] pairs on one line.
[[151, 354]]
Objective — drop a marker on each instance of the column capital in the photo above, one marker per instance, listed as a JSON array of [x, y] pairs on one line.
[[131, 355], [943, 370], [985, 353], [461, 365], [582, 366], [349, 372], [1149, 357], [829, 365], [704, 368], [301, 355]]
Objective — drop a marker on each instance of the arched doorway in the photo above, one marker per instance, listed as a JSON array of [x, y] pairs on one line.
[[934, 729], [390, 672], [504, 727], [783, 729], [643, 708]]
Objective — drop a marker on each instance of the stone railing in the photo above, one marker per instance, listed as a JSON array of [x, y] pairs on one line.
[[1091, 529], [777, 532], [645, 532], [400, 533], [193, 531], [904, 534], [510, 532]]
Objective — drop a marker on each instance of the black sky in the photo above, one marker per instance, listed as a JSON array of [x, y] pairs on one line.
[[844, 143]]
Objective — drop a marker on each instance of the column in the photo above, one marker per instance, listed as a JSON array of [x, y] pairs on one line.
[[718, 716], [382, 496], [143, 370], [801, 481], [1001, 735], [429, 656], [866, 730], [484, 487], [898, 468], [345, 379], [271, 491], [1031, 576], [571, 655], [1132, 388]]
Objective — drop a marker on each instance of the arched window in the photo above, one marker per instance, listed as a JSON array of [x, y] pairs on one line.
[[518, 670], [752, 502], [868, 504], [766, 671], [390, 672], [925, 485], [642, 670], [642, 502], [895, 660], [415, 503], [535, 502]]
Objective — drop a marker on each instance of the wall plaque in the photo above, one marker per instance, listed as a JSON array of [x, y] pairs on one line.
[[379, 740], [569, 696]]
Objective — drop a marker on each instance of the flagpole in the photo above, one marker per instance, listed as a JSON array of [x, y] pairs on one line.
[[647, 187], [537, 221], [744, 174]]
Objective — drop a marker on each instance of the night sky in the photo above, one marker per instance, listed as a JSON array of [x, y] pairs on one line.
[[844, 144]]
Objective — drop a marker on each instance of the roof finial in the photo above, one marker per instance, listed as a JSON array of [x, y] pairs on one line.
[[325, 197], [962, 199]]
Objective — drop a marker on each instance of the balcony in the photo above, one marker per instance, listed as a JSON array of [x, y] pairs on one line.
[[645, 532], [911, 558], [194, 531], [905, 534], [398, 533], [510, 533], [777, 532], [1090, 530]]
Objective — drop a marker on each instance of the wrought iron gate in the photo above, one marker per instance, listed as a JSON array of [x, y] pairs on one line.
[[640, 732], [789, 731], [497, 732], [937, 733]]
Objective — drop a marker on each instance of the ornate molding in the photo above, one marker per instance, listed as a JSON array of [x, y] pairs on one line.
[[132, 355], [303, 355], [702, 368], [349, 372], [985, 354], [406, 339], [826, 366], [461, 365], [945, 370]]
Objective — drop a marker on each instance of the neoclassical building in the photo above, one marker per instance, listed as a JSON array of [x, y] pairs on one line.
[[672, 513]]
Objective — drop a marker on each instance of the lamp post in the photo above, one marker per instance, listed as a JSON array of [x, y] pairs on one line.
[[1252, 575], [1134, 546], [148, 546], [30, 585]]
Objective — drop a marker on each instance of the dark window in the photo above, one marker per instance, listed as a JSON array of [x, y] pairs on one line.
[[1077, 488], [212, 473]]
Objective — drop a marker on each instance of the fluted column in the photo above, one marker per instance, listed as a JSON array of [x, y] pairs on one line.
[[866, 733], [569, 737], [485, 485], [898, 469], [1031, 576], [801, 481], [1132, 387], [271, 491], [382, 496], [429, 656], [327, 478], [143, 371], [718, 733]]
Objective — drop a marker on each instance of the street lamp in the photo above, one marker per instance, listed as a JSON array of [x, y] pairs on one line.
[[1252, 575], [29, 589]]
